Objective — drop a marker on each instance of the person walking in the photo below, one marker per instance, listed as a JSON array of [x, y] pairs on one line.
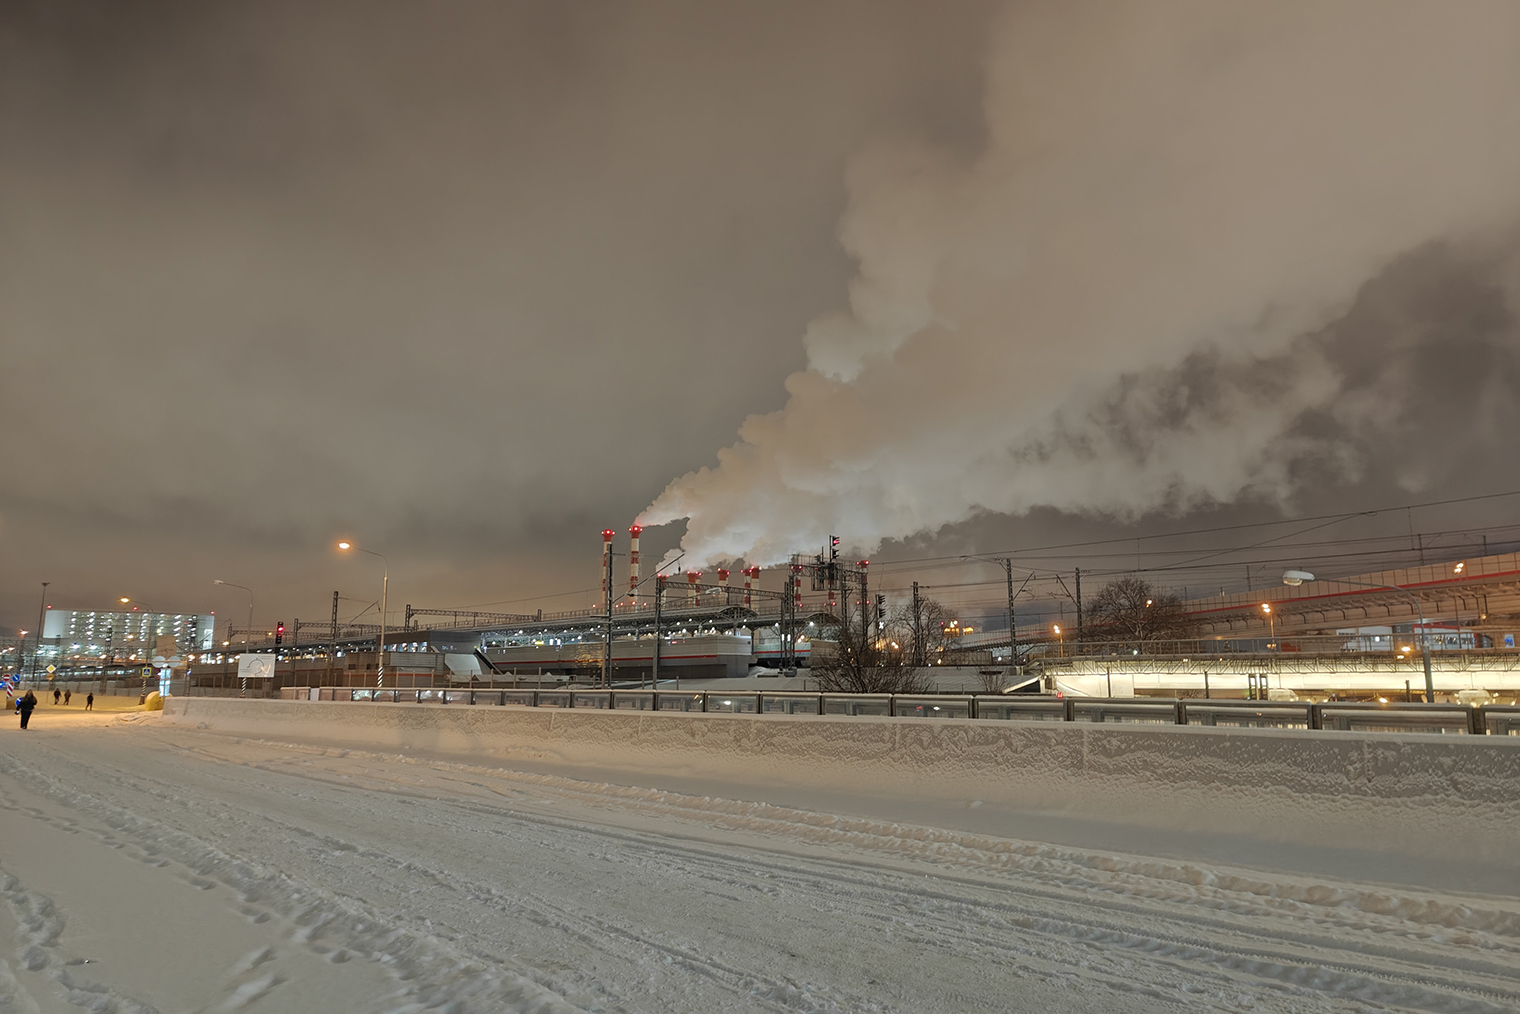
[[25, 706], [89, 702], [56, 695], [66, 695]]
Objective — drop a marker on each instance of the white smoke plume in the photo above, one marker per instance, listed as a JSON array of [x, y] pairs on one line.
[[1162, 183]]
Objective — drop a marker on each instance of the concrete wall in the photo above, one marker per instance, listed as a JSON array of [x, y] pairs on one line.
[[1456, 798]]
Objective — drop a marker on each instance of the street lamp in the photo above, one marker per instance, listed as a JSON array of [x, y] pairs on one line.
[[1061, 638], [1266, 608], [242, 680], [152, 637], [385, 587], [1298, 577], [37, 650]]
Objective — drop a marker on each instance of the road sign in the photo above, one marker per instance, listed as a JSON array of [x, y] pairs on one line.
[[52, 668]]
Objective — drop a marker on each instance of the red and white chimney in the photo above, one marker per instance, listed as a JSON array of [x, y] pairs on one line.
[[634, 532], [723, 585], [750, 574], [607, 534], [693, 592]]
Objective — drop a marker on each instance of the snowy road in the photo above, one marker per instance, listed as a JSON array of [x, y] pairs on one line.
[[152, 867]]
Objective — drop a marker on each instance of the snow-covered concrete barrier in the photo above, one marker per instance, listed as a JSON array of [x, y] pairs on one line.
[[1456, 798]]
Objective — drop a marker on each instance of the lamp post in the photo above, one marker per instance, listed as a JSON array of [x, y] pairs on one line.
[[152, 636], [242, 680], [1266, 607], [385, 586], [1295, 578], [37, 650], [1060, 637]]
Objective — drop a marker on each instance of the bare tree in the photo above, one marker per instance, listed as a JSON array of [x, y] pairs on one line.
[[923, 637], [1131, 612], [880, 662]]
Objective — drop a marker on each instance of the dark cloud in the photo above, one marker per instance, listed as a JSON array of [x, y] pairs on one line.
[[466, 281]]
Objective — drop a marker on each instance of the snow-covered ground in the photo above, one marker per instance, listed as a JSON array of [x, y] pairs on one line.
[[151, 866]]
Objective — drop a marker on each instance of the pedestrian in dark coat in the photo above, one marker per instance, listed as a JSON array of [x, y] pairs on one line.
[[89, 702], [66, 695], [25, 706], [56, 695]]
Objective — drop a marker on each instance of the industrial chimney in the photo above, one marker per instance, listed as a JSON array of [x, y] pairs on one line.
[[634, 532]]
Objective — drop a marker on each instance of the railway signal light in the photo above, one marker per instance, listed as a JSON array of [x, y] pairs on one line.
[[279, 632]]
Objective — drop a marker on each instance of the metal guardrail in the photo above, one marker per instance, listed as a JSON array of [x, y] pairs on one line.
[[1460, 719]]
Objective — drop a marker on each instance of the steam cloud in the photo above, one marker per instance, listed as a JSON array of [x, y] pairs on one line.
[[1113, 307]]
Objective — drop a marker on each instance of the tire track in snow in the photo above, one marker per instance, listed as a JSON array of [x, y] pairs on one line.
[[1129, 928], [1294, 971]]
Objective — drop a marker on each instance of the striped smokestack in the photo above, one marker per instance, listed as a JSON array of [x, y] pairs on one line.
[[695, 593], [750, 574], [633, 560], [723, 585]]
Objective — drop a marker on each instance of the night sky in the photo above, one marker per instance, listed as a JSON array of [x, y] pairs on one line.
[[469, 282]]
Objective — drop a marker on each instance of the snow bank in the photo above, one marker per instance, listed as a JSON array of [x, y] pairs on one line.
[[1414, 795]]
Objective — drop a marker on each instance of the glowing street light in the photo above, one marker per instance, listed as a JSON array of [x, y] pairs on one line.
[[1266, 608], [385, 587]]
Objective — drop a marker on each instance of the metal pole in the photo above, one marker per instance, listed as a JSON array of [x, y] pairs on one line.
[[110, 656], [918, 629], [332, 648], [659, 594], [37, 650], [1013, 641], [865, 597], [1430, 683], [385, 590], [789, 622], [607, 640], [148, 656], [1079, 610]]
